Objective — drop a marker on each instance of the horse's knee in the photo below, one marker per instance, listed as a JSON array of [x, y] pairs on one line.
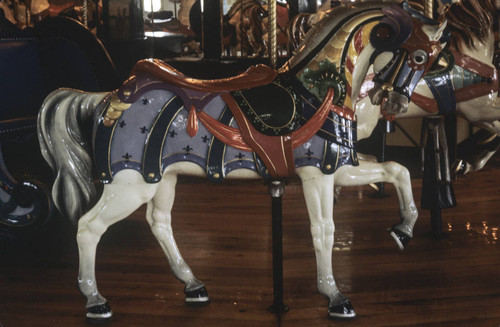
[[90, 229], [322, 233], [396, 171], [160, 229]]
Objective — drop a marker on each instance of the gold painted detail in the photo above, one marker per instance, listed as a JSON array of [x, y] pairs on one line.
[[333, 50], [489, 139], [387, 87], [115, 110], [367, 30]]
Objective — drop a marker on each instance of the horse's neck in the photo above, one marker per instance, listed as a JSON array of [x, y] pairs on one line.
[[482, 51], [354, 66]]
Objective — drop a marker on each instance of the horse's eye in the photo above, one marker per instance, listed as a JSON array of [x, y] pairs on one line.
[[419, 57]]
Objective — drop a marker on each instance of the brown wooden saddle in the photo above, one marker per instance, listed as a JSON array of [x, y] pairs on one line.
[[254, 76]]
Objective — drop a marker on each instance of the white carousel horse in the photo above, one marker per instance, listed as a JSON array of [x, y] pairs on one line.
[[468, 75], [161, 124]]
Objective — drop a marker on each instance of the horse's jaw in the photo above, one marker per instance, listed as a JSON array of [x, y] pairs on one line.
[[395, 104]]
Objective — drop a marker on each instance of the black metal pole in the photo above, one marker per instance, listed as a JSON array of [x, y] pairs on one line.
[[212, 30], [437, 189], [381, 185], [276, 189], [380, 134]]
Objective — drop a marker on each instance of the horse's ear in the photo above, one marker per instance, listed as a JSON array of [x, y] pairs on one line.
[[393, 30], [435, 32], [442, 27]]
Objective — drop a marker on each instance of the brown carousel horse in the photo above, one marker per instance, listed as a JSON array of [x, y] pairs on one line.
[[244, 28], [249, 22]]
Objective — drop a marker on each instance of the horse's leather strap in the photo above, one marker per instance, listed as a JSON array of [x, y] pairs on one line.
[[468, 92], [477, 67], [254, 76], [275, 151]]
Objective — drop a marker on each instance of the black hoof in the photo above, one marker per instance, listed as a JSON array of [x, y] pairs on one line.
[[99, 313], [342, 311], [197, 297], [459, 167], [401, 238]]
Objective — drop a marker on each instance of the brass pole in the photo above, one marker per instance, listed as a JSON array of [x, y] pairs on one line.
[[429, 8], [85, 13], [272, 32]]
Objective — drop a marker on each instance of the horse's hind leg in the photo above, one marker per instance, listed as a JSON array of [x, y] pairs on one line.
[[159, 217], [117, 202], [318, 193], [389, 172]]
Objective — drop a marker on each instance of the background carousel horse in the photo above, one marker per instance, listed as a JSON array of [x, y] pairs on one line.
[[160, 124], [244, 26], [465, 80], [301, 23]]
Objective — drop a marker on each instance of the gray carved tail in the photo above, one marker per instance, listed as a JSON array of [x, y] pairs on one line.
[[63, 122]]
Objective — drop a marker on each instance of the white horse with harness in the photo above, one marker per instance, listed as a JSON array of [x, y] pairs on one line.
[[161, 124]]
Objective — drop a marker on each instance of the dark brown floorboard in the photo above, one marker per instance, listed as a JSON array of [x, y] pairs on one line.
[[224, 233]]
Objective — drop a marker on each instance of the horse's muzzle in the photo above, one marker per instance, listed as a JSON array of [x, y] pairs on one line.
[[395, 102], [376, 94]]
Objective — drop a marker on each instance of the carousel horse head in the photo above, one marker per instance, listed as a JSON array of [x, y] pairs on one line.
[[407, 44], [399, 42]]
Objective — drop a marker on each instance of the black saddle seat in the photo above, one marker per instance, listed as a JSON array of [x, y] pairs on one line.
[[273, 109]]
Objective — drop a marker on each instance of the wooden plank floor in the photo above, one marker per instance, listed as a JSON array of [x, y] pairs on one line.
[[223, 232]]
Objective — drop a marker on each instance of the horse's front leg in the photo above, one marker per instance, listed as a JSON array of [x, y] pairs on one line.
[[159, 218], [389, 172], [319, 194], [485, 148]]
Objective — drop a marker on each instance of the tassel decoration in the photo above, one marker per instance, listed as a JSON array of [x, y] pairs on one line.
[[192, 126]]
